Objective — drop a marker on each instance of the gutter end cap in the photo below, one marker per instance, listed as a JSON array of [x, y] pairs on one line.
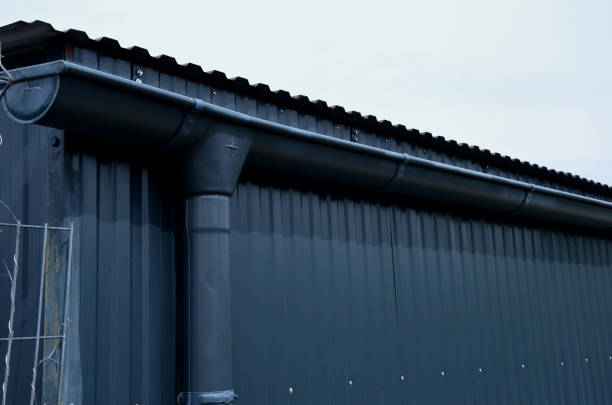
[[26, 102]]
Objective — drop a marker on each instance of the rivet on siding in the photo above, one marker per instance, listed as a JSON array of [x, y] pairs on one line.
[[523, 365], [139, 72], [402, 378], [282, 110], [138, 81], [350, 382], [609, 357], [442, 373], [214, 92], [586, 359], [355, 131], [479, 370], [562, 363], [386, 140], [291, 390]]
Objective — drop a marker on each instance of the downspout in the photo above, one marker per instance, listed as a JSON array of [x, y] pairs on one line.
[[216, 144], [208, 350]]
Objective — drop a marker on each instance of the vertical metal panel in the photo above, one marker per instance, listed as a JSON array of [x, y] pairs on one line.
[[329, 290], [127, 290], [126, 260], [310, 313], [24, 188]]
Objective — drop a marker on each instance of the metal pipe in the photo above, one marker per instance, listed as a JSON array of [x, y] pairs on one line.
[[208, 365], [41, 289]]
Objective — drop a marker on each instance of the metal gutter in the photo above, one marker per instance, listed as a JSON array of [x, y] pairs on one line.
[[28, 38], [76, 98]]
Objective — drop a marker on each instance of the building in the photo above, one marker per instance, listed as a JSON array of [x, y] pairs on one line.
[[170, 234]]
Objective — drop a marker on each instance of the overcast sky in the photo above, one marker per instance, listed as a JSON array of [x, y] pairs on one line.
[[528, 78]]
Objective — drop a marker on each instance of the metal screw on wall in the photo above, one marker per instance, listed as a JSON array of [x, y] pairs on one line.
[[139, 73], [290, 390]]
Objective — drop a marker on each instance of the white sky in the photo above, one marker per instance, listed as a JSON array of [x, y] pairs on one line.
[[528, 78]]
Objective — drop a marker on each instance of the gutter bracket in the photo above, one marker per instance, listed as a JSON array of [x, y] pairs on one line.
[[198, 398]]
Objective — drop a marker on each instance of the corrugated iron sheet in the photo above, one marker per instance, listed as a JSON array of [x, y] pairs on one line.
[[121, 326], [21, 37], [127, 282], [349, 301], [336, 299], [24, 188]]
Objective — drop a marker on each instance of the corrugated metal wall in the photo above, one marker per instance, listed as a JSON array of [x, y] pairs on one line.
[[31, 170], [349, 301], [27, 173], [121, 346], [127, 283], [335, 298]]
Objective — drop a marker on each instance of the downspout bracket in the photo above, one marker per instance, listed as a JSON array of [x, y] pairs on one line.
[[198, 398]]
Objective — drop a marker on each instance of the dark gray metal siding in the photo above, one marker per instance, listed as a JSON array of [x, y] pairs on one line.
[[328, 289], [28, 172], [127, 289], [122, 321], [126, 229]]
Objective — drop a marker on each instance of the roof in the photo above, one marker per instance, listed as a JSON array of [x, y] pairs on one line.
[[26, 36]]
